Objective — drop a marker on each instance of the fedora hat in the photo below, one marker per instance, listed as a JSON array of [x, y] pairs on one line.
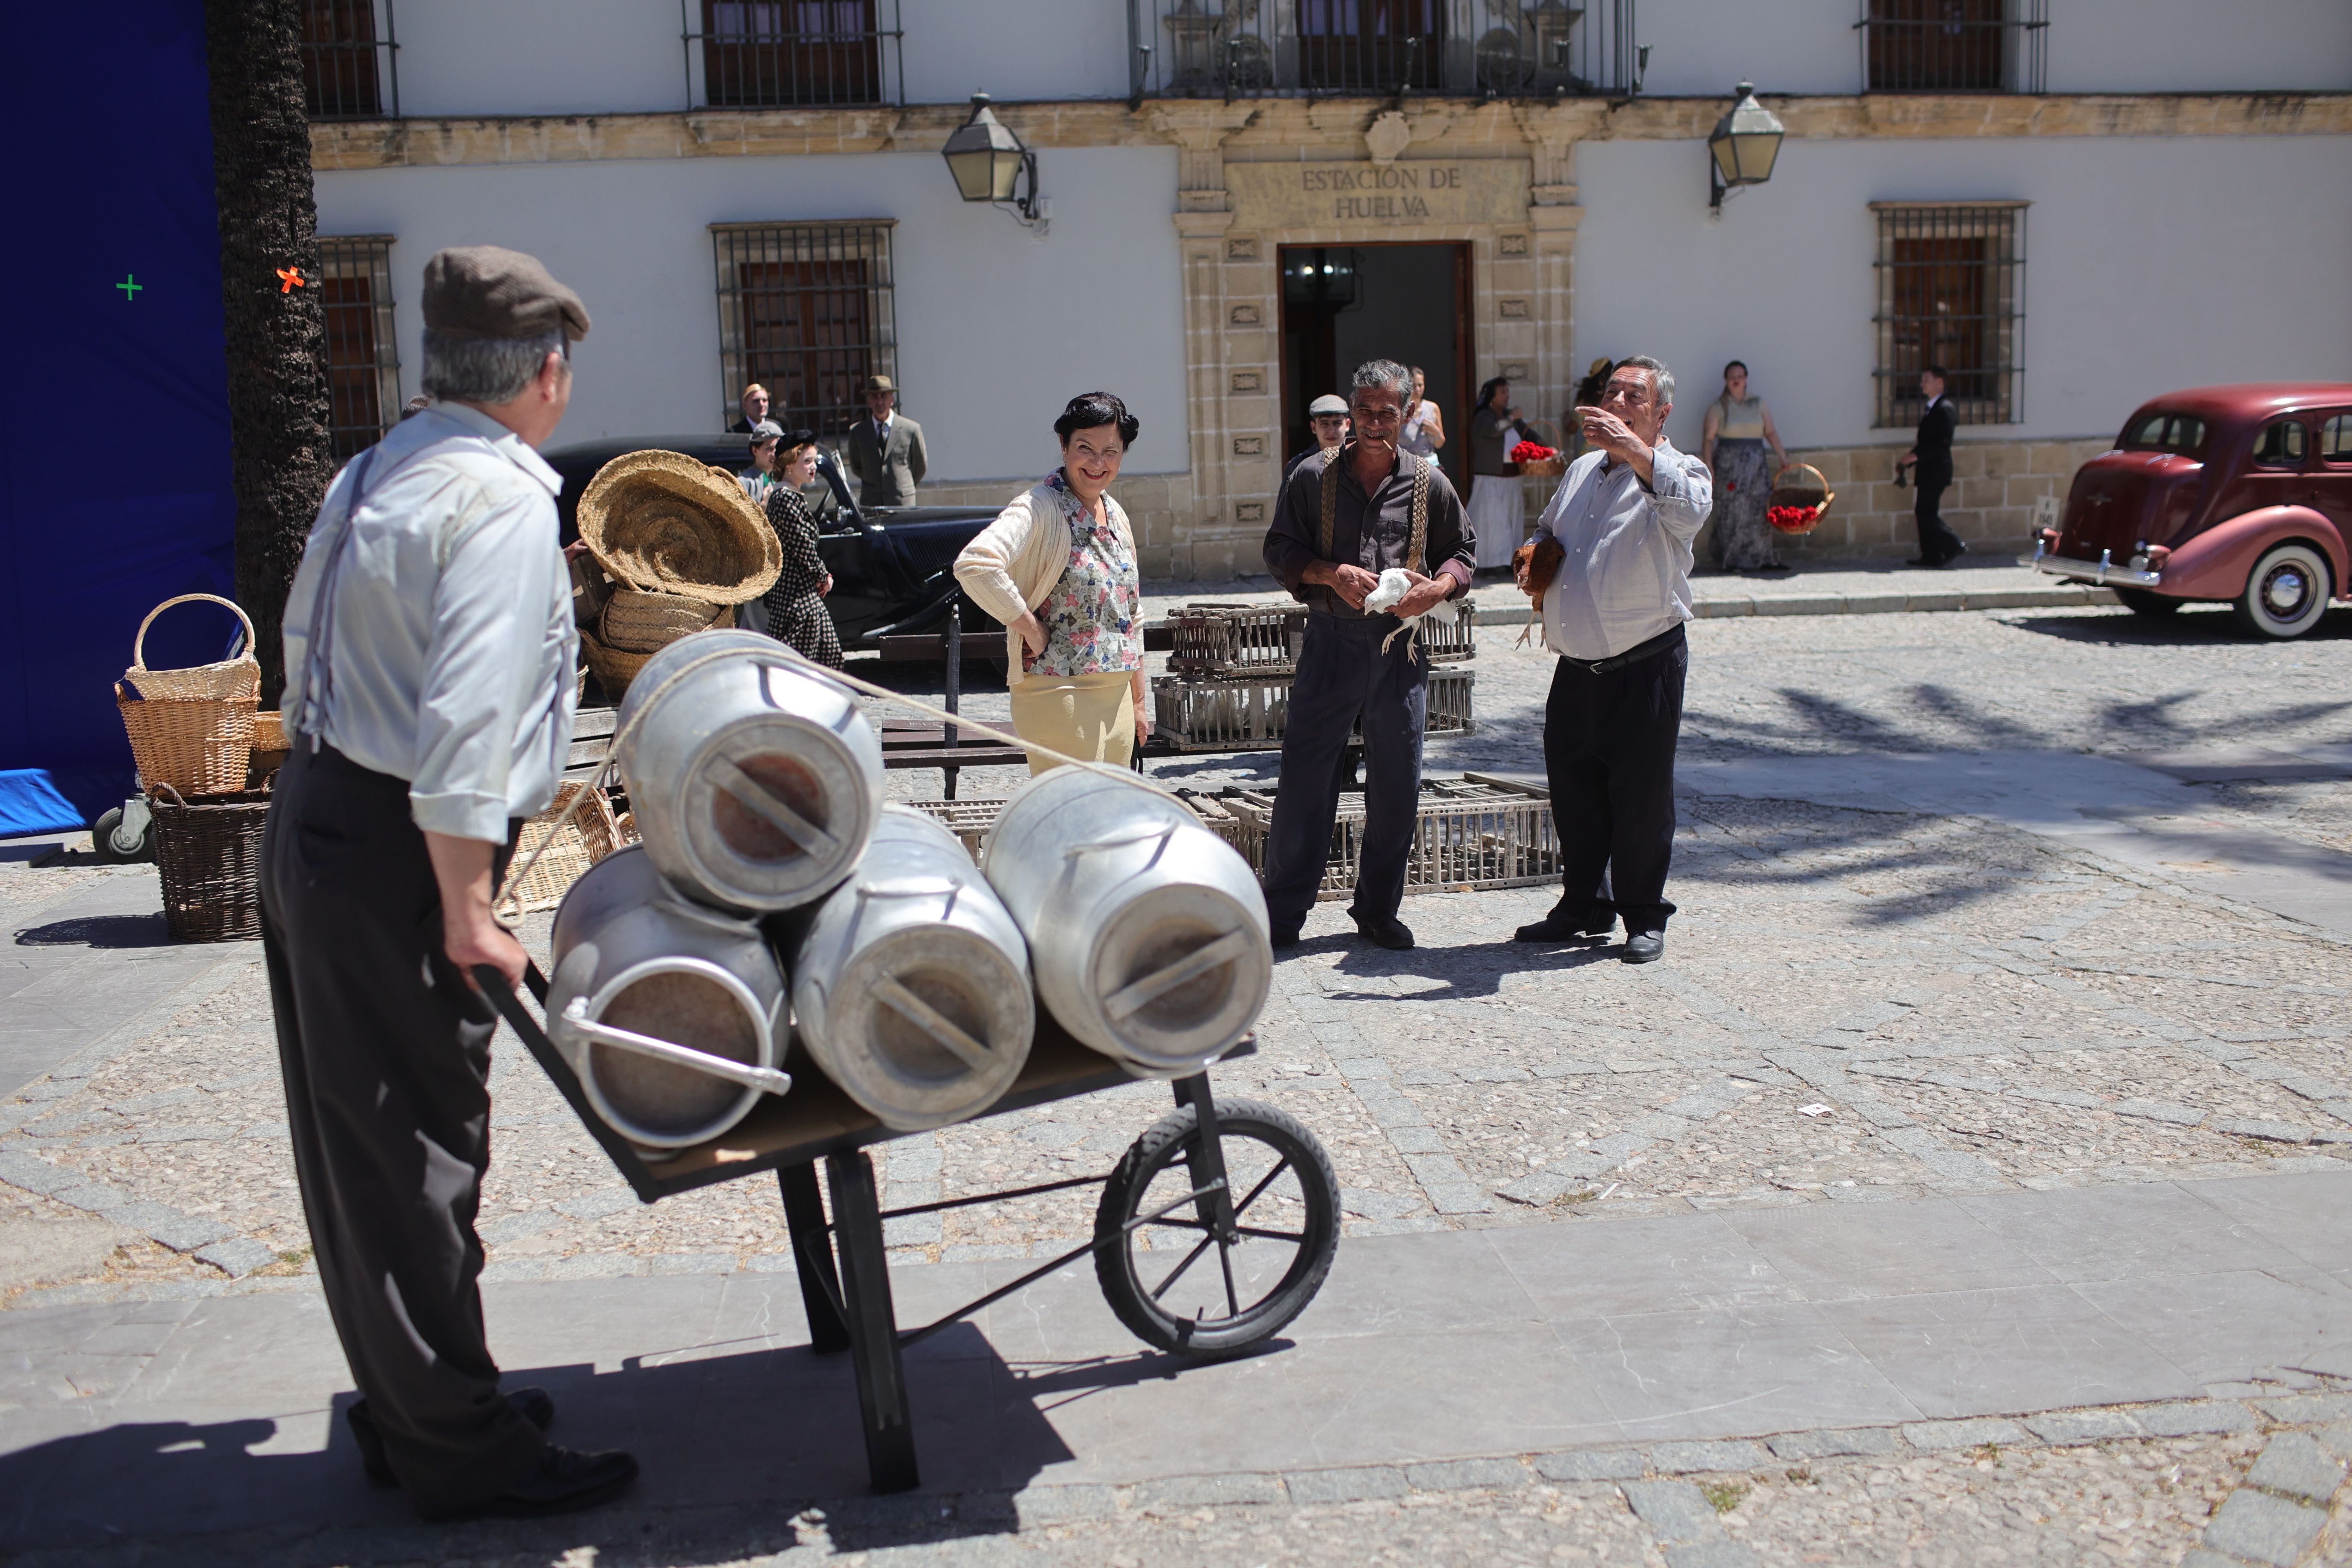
[[664, 523], [880, 383]]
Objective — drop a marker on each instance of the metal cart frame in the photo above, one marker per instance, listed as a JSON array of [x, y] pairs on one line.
[[843, 1271]]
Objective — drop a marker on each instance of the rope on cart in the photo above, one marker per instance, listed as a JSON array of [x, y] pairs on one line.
[[786, 656]]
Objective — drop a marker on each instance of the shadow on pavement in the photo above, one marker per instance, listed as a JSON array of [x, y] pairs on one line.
[[2192, 625], [99, 931], [742, 1441]]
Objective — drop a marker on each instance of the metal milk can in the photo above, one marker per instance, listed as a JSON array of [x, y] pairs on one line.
[[1147, 933], [671, 1012], [755, 784], [910, 987]]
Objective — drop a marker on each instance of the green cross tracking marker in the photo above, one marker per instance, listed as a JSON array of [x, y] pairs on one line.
[[130, 287]]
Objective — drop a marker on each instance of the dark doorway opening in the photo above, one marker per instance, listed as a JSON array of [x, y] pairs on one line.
[[1344, 304]]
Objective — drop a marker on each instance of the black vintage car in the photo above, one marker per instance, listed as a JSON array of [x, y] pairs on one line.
[[893, 568]]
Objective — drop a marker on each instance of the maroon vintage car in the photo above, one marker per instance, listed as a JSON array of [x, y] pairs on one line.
[[2235, 493]]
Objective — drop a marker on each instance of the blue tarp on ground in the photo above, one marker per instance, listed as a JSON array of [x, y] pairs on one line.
[[114, 447]]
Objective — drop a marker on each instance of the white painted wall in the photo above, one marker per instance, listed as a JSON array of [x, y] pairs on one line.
[[996, 330], [2133, 285], [461, 57], [2196, 45], [1014, 49]]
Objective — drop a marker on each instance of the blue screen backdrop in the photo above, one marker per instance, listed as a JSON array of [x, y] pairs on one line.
[[114, 437]]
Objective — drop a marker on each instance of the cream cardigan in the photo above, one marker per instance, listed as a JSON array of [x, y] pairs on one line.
[[1012, 567]]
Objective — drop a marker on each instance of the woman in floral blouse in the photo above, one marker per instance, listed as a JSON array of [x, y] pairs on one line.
[[1057, 567], [795, 606]]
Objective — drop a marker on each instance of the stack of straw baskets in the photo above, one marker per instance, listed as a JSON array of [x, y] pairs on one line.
[[681, 544], [199, 744]]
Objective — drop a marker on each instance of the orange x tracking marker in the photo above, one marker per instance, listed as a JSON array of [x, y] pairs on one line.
[[288, 279]]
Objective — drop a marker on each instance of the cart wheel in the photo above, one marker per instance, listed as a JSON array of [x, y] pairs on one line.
[[115, 846], [1153, 1270]]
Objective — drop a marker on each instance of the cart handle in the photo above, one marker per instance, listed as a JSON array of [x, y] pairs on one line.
[[576, 1019], [1131, 999], [767, 804]]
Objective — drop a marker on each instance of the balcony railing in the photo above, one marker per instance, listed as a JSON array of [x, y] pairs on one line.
[[1378, 48], [788, 53], [1954, 45]]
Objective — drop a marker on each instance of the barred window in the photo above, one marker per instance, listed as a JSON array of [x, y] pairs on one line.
[[779, 53], [1954, 45], [347, 48], [1951, 291], [362, 366], [804, 309], [1364, 46]]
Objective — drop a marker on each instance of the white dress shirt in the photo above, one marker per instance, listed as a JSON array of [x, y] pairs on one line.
[[449, 652], [1626, 576]]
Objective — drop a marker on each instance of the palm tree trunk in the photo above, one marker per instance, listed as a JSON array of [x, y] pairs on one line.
[[281, 460]]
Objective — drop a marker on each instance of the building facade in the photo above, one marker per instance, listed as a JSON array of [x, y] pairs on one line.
[[2075, 205]]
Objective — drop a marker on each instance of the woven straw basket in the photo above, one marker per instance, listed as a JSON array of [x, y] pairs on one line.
[[663, 524], [270, 746], [1801, 484], [588, 838], [208, 851], [636, 622], [190, 728], [613, 668]]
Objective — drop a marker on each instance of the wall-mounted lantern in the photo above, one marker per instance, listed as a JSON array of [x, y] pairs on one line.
[[1743, 148], [990, 164]]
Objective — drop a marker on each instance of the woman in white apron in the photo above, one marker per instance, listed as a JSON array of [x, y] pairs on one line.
[[1498, 513]]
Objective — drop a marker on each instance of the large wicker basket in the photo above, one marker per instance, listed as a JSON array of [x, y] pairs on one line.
[[613, 668], [588, 838], [664, 523], [1800, 488], [636, 622], [191, 730], [208, 851]]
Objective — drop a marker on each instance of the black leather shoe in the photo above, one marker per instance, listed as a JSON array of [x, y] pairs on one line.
[[1928, 561], [1388, 932], [535, 1405], [1558, 927], [1285, 936], [1645, 946], [567, 1480]]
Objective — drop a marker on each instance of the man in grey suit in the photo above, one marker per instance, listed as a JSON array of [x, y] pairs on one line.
[[886, 450]]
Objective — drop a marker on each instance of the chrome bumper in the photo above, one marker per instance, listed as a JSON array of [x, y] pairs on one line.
[[2102, 572]]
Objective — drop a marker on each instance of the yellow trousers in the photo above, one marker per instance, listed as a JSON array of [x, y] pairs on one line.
[[1090, 716]]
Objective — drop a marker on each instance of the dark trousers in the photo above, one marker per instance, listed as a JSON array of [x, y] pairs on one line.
[[387, 1053], [1609, 749], [1343, 676], [1936, 540]]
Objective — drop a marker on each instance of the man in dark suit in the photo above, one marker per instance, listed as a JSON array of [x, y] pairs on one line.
[[755, 409], [1932, 453], [886, 450]]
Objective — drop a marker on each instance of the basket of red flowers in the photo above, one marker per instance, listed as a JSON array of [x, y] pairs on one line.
[[1801, 499], [1537, 460]]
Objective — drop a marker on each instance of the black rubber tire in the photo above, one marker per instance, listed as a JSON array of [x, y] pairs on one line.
[[2141, 602], [101, 841], [2255, 609], [1169, 1142]]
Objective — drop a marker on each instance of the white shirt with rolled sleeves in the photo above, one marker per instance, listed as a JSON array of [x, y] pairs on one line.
[[451, 642], [1626, 576]]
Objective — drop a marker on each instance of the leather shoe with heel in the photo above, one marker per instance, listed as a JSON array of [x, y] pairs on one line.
[[1385, 931], [1645, 946], [1560, 926], [535, 1405], [566, 1482]]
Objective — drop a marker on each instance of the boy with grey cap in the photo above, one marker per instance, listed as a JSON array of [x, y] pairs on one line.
[[429, 687]]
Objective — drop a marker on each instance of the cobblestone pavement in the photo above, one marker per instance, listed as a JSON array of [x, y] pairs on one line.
[[2204, 1484], [1855, 1005]]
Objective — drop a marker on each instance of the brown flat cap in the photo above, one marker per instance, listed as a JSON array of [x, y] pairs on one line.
[[487, 291]]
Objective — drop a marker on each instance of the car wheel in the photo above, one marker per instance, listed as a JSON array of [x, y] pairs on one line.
[[2140, 602], [2286, 592]]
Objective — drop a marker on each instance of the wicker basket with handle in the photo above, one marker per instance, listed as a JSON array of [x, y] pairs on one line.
[[208, 851], [589, 835], [190, 728], [1799, 487]]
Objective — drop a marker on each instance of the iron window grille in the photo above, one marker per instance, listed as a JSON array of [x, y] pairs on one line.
[[782, 54], [1954, 45], [804, 309], [1951, 291], [354, 282], [350, 61], [1372, 49]]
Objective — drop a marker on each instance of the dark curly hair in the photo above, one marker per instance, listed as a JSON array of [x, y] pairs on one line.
[[1090, 410]]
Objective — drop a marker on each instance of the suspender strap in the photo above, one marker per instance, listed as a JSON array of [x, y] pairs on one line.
[[319, 659], [1418, 542]]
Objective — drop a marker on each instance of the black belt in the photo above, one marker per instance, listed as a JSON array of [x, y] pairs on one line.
[[1635, 655]]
